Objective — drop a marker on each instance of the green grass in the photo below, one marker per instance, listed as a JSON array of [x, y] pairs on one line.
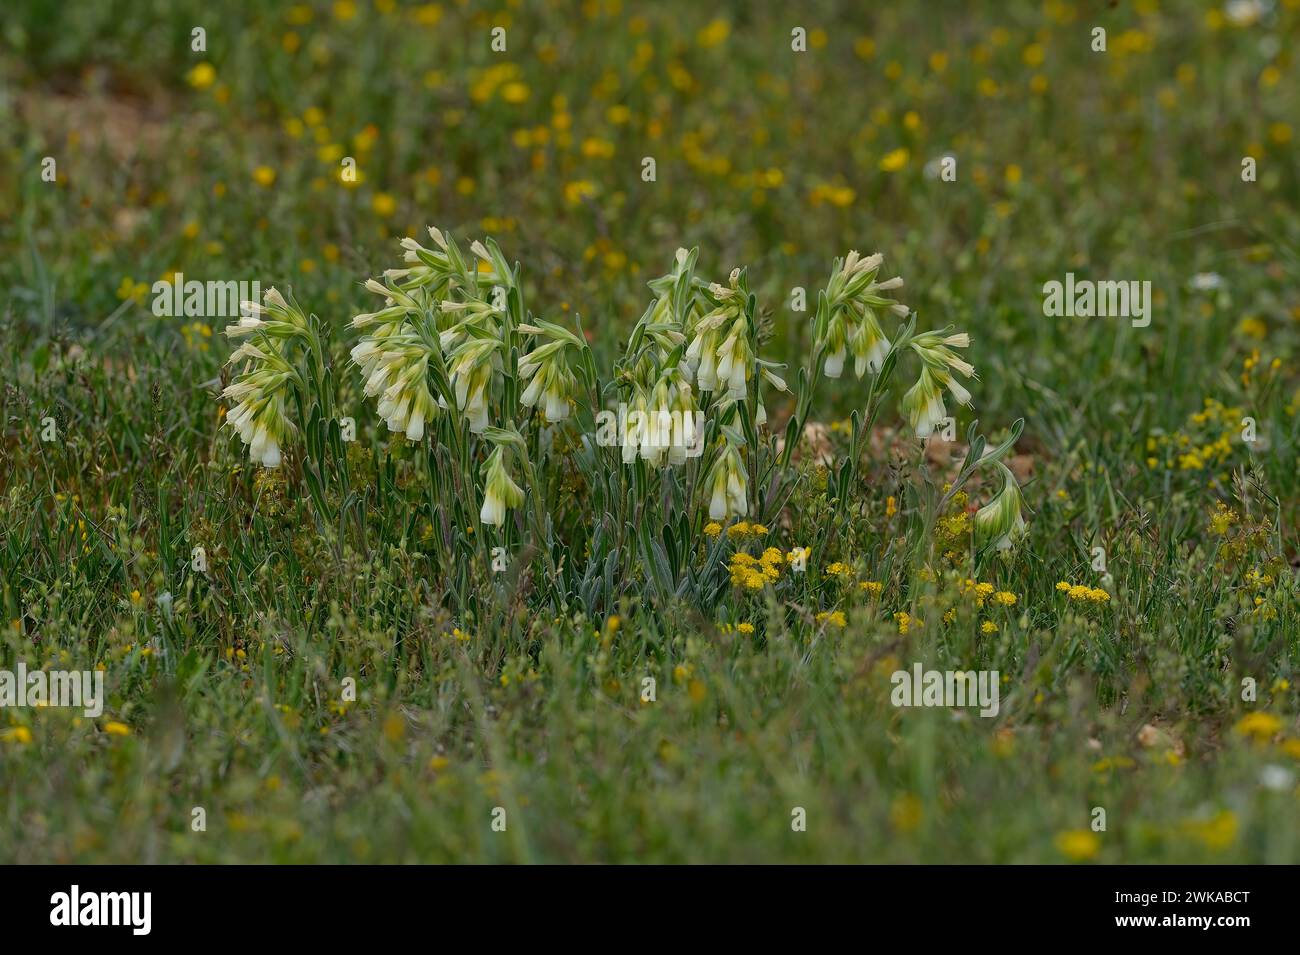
[[359, 562]]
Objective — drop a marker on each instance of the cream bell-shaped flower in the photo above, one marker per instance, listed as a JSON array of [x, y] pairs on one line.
[[735, 359], [551, 382], [923, 403], [471, 367], [406, 404], [1000, 523], [259, 395], [727, 484], [702, 353], [500, 492], [868, 344]]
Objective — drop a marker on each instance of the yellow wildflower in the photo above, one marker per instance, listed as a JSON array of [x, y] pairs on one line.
[[1078, 845], [1259, 726]]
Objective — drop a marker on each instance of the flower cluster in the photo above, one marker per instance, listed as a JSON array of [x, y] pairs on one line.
[[443, 338], [694, 355], [737, 531], [981, 593], [260, 391], [848, 323], [923, 402], [1082, 592], [853, 301], [755, 573]]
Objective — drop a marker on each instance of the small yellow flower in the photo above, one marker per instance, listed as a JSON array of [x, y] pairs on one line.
[[515, 93], [613, 623], [745, 627], [18, 734], [264, 176], [383, 204], [114, 728], [1259, 726], [714, 34], [1078, 845], [988, 626], [1217, 832], [712, 529], [895, 160], [575, 192], [201, 76]]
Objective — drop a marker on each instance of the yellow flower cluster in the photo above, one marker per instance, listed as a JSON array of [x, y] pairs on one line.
[[737, 531], [1260, 727], [833, 617], [1205, 445], [1078, 845], [873, 587], [1083, 592], [982, 593], [1222, 519], [754, 573], [1256, 580]]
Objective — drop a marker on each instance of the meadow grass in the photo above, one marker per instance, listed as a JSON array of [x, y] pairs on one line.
[[1127, 689]]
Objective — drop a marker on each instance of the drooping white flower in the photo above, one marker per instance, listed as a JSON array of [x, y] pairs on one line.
[[551, 383], [923, 403], [727, 484], [471, 366], [259, 395], [500, 492]]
